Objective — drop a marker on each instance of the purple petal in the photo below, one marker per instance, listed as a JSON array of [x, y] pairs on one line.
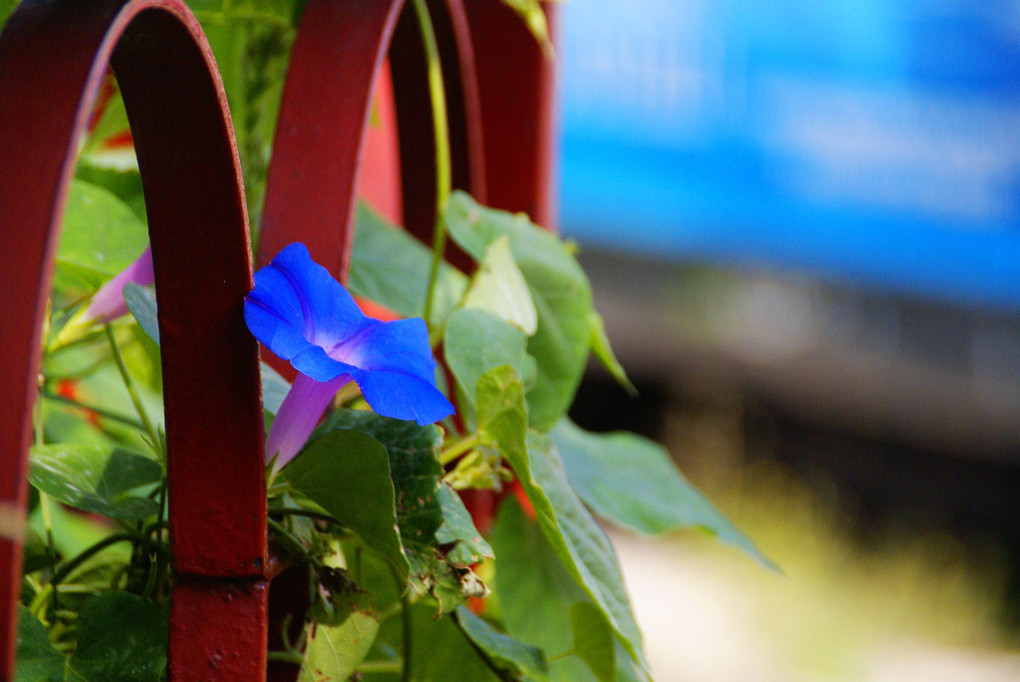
[[108, 303], [296, 306], [298, 415]]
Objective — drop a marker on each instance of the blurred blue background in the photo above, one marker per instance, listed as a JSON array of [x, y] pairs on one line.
[[814, 204], [869, 141], [801, 220]]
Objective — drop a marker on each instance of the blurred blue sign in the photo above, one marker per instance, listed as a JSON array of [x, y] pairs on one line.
[[870, 141]]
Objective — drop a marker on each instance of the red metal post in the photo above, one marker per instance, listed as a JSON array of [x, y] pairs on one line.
[[517, 90], [415, 120], [325, 112], [52, 58], [310, 193], [198, 228], [336, 63]]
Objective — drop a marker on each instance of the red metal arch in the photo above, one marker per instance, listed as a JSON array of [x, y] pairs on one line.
[[516, 87], [52, 57], [324, 115]]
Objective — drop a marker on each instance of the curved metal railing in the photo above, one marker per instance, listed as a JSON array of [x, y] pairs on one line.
[[53, 55]]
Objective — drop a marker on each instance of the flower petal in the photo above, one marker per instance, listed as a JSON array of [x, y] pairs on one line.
[[108, 303], [296, 306], [399, 346], [305, 316], [296, 419], [329, 312], [273, 329], [314, 362], [402, 396]]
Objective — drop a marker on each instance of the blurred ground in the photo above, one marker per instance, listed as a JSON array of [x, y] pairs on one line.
[[879, 584], [904, 599], [708, 616]]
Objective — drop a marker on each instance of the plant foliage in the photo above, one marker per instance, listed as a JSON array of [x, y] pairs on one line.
[[409, 577]]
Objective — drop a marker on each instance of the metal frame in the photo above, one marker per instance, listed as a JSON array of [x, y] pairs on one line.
[[53, 55]]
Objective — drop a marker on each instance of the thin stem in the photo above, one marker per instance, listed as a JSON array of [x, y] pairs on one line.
[[74, 563], [105, 414], [37, 419], [291, 544], [44, 499], [153, 528], [458, 448], [380, 666], [161, 519], [51, 548], [290, 511], [153, 578], [296, 658], [135, 400], [440, 127]]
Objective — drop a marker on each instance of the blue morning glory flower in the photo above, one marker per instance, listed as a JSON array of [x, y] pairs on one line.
[[305, 316]]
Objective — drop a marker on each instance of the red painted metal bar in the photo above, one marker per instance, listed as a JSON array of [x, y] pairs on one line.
[[379, 182], [336, 61], [53, 55], [415, 121], [337, 55], [324, 117], [517, 87]]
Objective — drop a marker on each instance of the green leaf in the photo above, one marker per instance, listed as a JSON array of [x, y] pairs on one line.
[[538, 612], [6, 7], [347, 473], [499, 288], [559, 289], [503, 650], [274, 389], [73, 283], [100, 231], [333, 652], [391, 268], [632, 482], [121, 638], [125, 183], [580, 544], [475, 341], [502, 414], [440, 652], [415, 470], [578, 540], [141, 301], [37, 660], [469, 547], [95, 478], [604, 352], [251, 41], [593, 640]]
